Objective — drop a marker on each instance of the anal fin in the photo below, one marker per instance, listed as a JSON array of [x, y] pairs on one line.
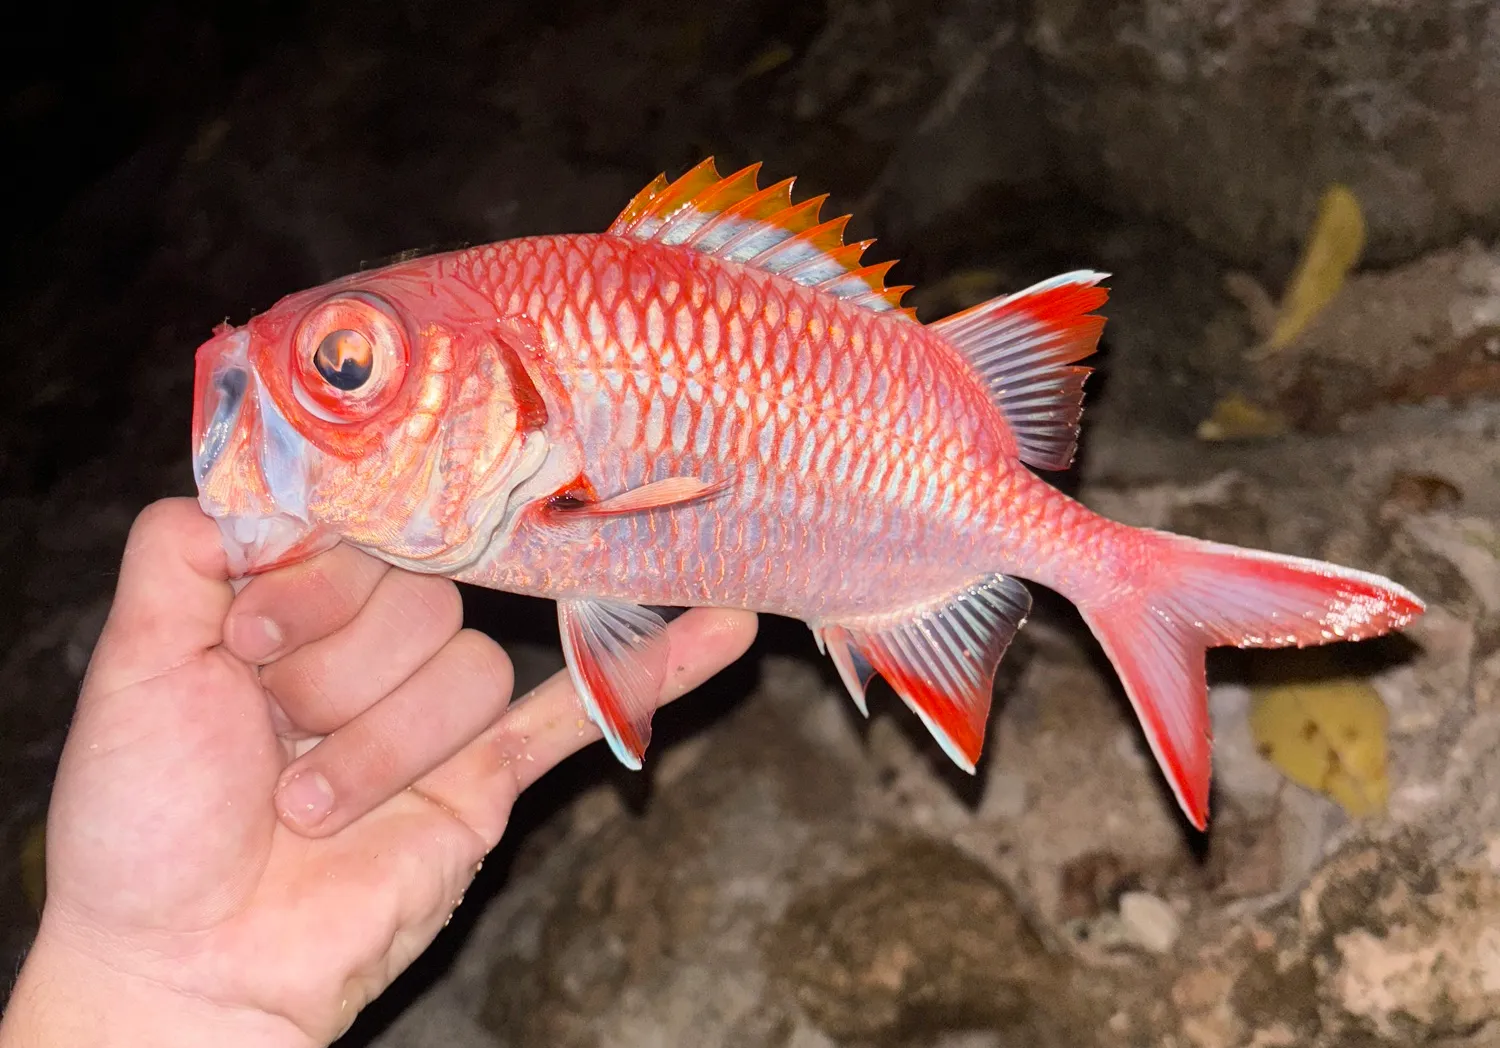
[[617, 659], [941, 659]]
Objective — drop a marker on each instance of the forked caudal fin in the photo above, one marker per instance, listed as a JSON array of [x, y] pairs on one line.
[[1193, 595]]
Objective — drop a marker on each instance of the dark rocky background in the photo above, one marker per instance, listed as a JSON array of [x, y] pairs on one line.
[[820, 881]]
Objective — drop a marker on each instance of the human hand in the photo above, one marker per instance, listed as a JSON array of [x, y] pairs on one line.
[[182, 904]]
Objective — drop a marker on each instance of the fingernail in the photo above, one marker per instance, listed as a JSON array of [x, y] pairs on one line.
[[306, 799], [258, 638]]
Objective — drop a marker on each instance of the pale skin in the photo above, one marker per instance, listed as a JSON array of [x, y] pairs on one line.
[[201, 889]]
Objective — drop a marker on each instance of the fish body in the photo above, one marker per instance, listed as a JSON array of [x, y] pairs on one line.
[[713, 403], [675, 364]]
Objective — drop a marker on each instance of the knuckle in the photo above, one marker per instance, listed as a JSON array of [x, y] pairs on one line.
[[160, 516], [313, 597], [301, 685], [480, 657], [375, 761], [443, 604]]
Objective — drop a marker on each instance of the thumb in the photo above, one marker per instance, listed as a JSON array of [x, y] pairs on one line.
[[162, 797], [170, 602]]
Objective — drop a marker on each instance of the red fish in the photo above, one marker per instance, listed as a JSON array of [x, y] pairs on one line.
[[715, 403]]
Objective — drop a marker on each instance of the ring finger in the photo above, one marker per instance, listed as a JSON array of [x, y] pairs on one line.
[[418, 726]]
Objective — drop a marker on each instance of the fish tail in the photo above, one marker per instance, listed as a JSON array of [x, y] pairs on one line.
[[1171, 597]]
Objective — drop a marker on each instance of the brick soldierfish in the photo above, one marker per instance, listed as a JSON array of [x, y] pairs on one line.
[[715, 403]]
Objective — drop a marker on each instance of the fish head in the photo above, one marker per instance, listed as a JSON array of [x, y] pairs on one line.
[[390, 410]]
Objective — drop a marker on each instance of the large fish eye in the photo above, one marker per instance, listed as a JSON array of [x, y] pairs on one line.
[[345, 359], [349, 355]]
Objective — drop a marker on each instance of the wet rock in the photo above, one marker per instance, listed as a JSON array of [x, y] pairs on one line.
[[891, 85], [646, 931], [924, 938], [1427, 330], [1201, 997], [1230, 120], [1092, 884], [1411, 950], [1386, 945], [1411, 493]]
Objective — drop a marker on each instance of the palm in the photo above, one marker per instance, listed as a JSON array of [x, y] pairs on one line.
[[163, 833]]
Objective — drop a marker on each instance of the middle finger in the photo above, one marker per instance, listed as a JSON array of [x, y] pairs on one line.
[[407, 620]]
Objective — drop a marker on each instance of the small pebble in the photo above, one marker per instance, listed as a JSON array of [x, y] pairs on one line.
[[1149, 922]]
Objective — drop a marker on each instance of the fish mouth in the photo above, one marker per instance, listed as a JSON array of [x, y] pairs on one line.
[[222, 379], [249, 464], [254, 544]]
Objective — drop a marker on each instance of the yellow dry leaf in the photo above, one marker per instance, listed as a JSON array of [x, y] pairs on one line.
[[775, 56], [34, 864], [1236, 418], [1331, 251], [1329, 736]]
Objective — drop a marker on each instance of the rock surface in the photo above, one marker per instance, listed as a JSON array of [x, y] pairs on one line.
[[1229, 118], [784, 874]]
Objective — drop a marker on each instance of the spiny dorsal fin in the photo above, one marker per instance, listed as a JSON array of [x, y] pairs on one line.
[[733, 218], [1024, 346]]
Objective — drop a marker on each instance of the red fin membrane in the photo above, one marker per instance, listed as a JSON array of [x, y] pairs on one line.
[[1024, 346], [1202, 594], [940, 660], [617, 659]]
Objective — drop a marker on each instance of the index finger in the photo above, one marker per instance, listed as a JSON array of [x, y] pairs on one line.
[[284, 609], [537, 732]]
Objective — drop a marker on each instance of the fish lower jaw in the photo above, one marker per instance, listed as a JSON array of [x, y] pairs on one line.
[[256, 544]]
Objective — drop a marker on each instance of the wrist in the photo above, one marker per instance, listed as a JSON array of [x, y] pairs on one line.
[[66, 997]]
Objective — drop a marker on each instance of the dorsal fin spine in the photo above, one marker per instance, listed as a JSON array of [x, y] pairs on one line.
[[641, 202], [732, 223], [828, 266], [691, 219], [795, 219], [813, 244], [729, 218]]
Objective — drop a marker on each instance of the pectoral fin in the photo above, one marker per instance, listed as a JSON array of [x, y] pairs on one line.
[[659, 494], [617, 659]]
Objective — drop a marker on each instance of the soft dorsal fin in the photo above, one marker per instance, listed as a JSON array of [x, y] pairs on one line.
[[1025, 347], [733, 218]]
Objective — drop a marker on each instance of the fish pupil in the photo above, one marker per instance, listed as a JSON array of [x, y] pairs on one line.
[[345, 359]]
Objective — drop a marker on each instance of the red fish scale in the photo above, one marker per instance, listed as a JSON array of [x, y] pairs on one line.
[[868, 470]]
